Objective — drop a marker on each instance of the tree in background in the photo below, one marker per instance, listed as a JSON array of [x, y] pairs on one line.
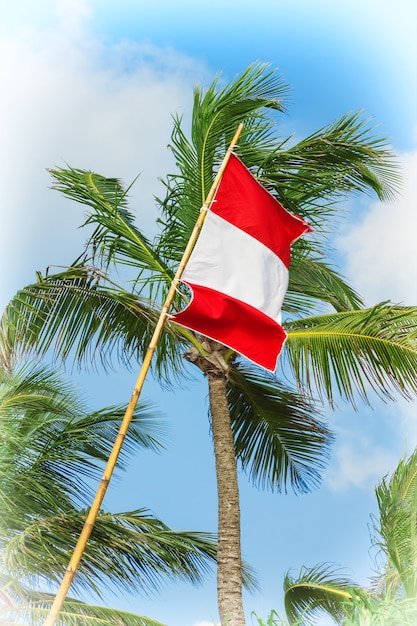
[[335, 347], [392, 599], [51, 449]]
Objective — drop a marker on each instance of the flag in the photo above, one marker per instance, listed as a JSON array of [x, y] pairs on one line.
[[238, 270]]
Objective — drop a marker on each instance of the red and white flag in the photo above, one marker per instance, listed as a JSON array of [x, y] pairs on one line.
[[238, 270]]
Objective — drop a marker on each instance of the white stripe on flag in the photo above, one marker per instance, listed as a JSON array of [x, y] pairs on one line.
[[232, 262]]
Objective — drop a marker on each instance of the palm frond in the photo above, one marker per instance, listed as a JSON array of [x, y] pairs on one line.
[[27, 607], [396, 530], [34, 609], [116, 238], [319, 590], [349, 352], [217, 112], [80, 313], [279, 439], [51, 446], [34, 404], [313, 282], [341, 158], [126, 551], [56, 459]]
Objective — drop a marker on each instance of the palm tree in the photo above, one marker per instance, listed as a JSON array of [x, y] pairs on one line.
[[51, 450], [392, 599], [334, 346]]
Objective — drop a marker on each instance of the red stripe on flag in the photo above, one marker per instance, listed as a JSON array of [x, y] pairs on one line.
[[245, 203], [235, 324]]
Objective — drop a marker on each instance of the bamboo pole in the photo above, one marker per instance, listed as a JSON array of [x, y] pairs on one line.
[[117, 446]]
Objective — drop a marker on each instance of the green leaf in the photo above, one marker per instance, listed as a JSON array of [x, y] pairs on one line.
[[318, 590], [126, 551], [349, 352], [50, 450], [312, 283], [339, 159], [279, 439], [116, 238], [396, 530], [51, 446], [34, 608], [80, 313]]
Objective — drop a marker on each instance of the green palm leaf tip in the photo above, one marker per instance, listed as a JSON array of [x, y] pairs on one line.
[[318, 590], [395, 533], [341, 158], [116, 238], [402, 612], [313, 284], [279, 438], [135, 549]]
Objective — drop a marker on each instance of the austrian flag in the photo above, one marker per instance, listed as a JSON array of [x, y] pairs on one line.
[[238, 270]]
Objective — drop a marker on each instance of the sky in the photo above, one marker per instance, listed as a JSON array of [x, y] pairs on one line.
[[94, 84]]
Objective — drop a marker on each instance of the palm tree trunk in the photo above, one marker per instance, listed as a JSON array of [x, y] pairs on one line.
[[229, 559]]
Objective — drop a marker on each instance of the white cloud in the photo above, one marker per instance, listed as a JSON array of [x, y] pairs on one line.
[[358, 464], [69, 98], [380, 250], [206, 624], [369, 443]]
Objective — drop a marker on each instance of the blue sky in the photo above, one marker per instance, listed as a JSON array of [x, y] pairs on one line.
[[94, 84]]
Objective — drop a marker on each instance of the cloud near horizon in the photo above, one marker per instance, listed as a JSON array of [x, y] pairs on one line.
[[380, 248], [69, 98]]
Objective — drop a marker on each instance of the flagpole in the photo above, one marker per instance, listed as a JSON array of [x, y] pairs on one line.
[[117, 446]]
